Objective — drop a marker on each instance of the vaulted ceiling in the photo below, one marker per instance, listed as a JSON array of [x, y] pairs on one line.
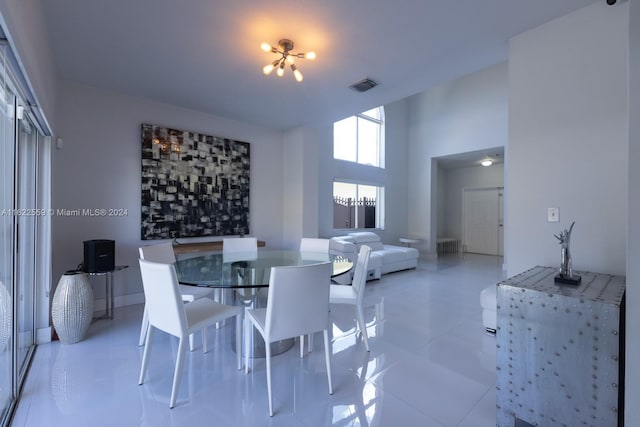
[[205, 55]]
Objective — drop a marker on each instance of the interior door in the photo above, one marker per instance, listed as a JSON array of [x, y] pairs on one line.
[[482, 221]]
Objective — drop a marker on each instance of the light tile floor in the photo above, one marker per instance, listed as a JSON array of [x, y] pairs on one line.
[[431, 364]]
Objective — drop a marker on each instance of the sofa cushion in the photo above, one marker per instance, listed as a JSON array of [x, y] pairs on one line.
[[375, 246], [364, 237], [411, 253], [342, 245], [392, 255], [375, 260]]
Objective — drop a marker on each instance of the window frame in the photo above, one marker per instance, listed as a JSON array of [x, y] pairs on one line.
[[380, 146], [379, 207]]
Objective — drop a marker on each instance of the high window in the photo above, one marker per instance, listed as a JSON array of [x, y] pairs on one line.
[[360, 138], [357, 206]]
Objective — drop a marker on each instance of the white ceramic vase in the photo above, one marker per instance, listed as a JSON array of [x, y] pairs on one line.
[[72, 307]]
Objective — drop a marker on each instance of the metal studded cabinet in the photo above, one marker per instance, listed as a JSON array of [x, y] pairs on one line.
[[560, 350]]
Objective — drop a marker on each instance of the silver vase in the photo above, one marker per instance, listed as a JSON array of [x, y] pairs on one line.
[[72, 307]]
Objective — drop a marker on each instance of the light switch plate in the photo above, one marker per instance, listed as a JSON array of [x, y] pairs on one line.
[[553, 215]]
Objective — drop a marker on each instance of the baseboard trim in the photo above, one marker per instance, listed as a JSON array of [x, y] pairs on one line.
[[99, 305], [43, 335]]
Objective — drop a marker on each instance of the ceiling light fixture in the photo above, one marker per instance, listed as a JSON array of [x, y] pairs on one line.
[[285, 46], [486, 162]]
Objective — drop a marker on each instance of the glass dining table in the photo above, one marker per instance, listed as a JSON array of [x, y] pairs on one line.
[[247, 269], [244, 279]]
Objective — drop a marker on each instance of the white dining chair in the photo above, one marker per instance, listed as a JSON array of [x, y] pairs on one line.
[[312, 249], [354, 294], [298, 304], [163, 252], [168, 313], [313, 245], [239, 249], [239, 244]]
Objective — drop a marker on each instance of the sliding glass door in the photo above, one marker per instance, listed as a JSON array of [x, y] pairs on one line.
[[19, 139], [7, 158], [25, 223]]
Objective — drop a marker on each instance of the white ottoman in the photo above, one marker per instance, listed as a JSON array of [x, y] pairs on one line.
[[489, 302]]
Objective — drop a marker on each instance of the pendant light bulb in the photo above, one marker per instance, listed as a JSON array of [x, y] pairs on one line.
[[296, 73], [310, 55], [265, 46], [269, 68], [280, 70]]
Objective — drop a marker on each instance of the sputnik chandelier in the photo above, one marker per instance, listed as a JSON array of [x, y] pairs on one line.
[[285, 46]]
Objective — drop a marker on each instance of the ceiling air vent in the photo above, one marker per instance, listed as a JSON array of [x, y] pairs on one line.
[[363, 85]]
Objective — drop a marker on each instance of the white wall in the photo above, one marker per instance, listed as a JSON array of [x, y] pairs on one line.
[[467, 114], [397, 177], [632, 385], [568, 142], [293, 171], [99, 167], [457, 179], [300, 194], [310, 187]]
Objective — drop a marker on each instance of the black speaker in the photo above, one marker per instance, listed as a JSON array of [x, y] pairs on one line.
[[99, 255]]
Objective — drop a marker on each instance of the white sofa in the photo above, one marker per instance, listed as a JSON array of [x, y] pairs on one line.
[[384, 259]]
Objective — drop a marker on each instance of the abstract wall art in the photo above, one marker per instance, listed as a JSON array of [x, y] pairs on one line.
[[193, 185]]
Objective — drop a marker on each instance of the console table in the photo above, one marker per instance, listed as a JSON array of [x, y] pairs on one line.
[[560, 350], [108, 290], [184, 248]]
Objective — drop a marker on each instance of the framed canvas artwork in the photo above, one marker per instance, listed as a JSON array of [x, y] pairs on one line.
[[193, 185]]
